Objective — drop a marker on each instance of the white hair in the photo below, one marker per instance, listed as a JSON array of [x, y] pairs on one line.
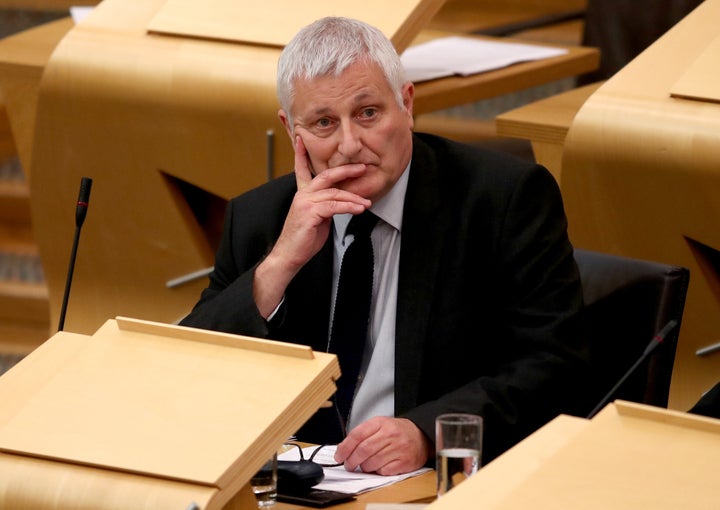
[[329, 46]]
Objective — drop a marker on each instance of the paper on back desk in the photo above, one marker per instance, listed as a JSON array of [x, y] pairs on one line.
[[464, 56]]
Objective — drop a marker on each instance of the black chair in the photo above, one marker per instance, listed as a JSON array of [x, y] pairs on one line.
[[622, 29], [627, 302]]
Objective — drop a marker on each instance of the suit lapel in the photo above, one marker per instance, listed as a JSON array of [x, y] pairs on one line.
[[422, 240]]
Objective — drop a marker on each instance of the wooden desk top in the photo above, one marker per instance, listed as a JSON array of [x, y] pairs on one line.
[[547, 120]]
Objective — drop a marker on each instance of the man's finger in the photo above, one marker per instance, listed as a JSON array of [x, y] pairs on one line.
[[303, 175]]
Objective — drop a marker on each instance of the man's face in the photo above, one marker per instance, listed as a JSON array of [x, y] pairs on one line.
[[354, 118]]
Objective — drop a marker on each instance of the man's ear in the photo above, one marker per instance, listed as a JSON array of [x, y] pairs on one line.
[[285, 119], [408, 96]]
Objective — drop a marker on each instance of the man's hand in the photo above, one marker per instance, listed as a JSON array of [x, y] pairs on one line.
[[383, 445], [307, 226]]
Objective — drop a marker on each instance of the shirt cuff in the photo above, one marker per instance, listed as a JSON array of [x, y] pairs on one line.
[[276, 310]]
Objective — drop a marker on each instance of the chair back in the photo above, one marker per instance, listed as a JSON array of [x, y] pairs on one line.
[[627, 302]]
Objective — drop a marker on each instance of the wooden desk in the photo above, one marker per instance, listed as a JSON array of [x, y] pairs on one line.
[[456, 90], [475, 15], [546, 123], [503, 474], [627, 457], [419, 489]]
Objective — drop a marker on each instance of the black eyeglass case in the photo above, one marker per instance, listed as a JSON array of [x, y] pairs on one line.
[[296, 479], [298, 476], [316, 498]]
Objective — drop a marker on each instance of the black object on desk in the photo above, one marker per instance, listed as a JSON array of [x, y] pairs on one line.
[[316, 498], [298, 476], [296, 479]]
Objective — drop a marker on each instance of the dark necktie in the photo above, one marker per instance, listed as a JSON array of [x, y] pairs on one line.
[[352, 308]]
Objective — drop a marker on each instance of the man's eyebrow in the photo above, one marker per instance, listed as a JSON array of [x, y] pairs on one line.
[[357, 100], [364, 96], [323, 110]]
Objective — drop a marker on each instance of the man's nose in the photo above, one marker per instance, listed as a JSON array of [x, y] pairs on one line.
[[350, 142]]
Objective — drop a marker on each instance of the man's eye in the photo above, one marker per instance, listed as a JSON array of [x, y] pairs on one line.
[[368, 113], [323, 123]]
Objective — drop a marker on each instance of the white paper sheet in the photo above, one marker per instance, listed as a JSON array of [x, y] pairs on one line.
[[464, 56], [341, 480], [79, 12]]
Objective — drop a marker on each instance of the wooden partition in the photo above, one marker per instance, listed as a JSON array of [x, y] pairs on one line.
[[641, 177]]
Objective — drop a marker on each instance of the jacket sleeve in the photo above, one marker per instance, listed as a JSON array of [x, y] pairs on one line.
[[227, 303]]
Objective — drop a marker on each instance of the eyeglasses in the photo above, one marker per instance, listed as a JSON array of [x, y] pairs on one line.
[[318, 456]]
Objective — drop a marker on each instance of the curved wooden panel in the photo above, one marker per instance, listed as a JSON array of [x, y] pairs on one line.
[[641, 177], [101, 489]]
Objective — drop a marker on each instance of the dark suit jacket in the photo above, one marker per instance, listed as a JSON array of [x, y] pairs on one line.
[[488, 291]]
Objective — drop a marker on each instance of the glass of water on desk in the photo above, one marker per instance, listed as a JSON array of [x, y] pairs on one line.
[[264, 483], [458, 440]]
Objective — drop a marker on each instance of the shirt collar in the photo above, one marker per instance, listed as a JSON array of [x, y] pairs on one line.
[[389, 208]]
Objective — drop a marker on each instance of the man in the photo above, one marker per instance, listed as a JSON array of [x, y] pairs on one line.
[[475, 289]]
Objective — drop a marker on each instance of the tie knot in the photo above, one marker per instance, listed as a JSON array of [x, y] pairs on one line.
[[362, 224]]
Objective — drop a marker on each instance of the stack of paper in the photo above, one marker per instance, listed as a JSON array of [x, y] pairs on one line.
[[464, 56]]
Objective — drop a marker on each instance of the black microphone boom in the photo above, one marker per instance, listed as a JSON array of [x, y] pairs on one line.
[[80, 213], [657, 340]]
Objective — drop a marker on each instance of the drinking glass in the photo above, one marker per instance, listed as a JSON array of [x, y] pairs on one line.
[[264, 483], [458, 440]]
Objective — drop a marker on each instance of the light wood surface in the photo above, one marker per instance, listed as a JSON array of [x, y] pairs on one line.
[[701, 81], [154, 406], [629, 456], [473, 15], [34, 484], [23, 58], [641, 177], [249, 22], [506, 473], [45, 5], [546, 123], [142, 115]]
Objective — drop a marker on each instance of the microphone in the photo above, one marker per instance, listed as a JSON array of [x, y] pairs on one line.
[[658, 339], [80, 213]]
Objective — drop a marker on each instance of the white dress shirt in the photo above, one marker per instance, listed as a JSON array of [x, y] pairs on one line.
[[375, 393]]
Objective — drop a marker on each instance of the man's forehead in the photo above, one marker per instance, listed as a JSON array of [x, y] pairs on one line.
[[323, 93]]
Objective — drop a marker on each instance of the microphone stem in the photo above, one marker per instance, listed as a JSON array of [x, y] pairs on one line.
[[654, 343], [68, 281], [610, 393]]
